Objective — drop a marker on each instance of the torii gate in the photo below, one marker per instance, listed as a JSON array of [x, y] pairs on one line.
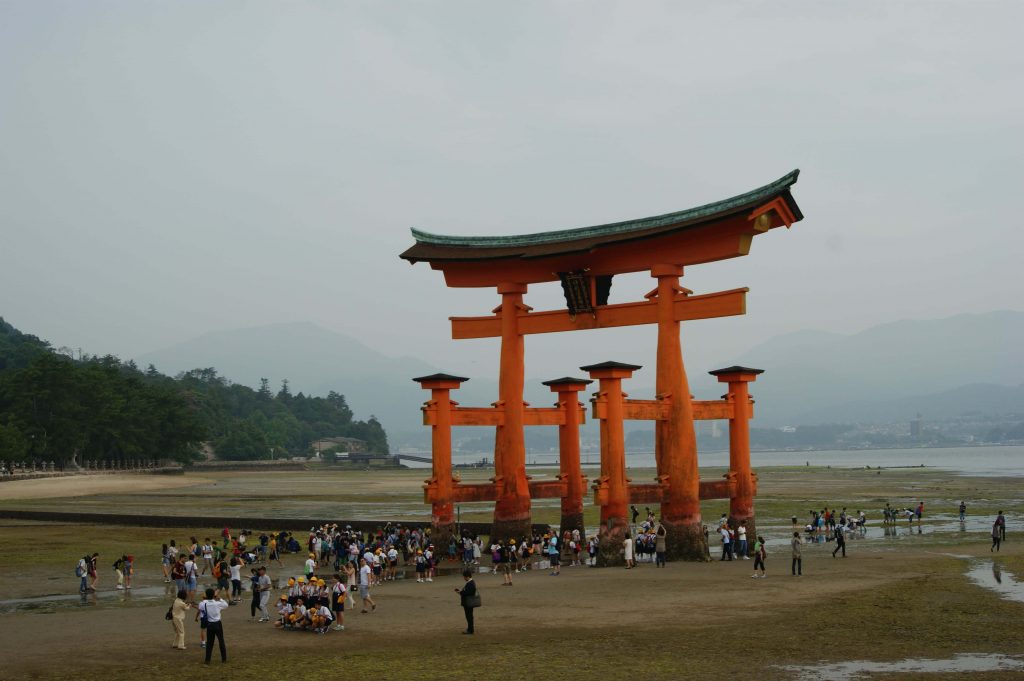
[[585, 260]]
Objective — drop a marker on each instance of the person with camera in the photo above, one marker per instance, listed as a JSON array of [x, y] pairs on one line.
[[211, 608]]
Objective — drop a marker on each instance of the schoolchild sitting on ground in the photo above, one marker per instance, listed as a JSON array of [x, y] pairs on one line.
[[297, 618], [284, 611], [321, 619]]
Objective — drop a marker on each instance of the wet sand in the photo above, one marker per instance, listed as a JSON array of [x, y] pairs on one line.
[[87, 485]]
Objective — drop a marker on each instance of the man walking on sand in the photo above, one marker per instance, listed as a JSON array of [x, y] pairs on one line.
[[263, 585], [364, 585]]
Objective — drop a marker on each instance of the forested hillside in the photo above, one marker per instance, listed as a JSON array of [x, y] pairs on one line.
[[53, 407]]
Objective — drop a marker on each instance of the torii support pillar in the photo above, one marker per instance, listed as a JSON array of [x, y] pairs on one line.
[[741, 504], [675, 444], [512, 509], [441, 484], [612, 488], [569, 470]]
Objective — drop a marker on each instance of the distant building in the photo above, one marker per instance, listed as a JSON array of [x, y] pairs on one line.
[[338, 444], [915, 427]]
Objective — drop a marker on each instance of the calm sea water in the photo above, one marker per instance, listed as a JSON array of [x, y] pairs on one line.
[[966, 460]]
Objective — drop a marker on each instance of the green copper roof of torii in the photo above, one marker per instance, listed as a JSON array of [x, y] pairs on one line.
[[761, 194]]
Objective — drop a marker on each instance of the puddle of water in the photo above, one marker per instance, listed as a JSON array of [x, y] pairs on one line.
[[989, 574], [52, 602], [856, 669]]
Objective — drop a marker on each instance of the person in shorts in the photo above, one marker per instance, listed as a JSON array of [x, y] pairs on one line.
[[201, 618], [338, 595], [554, 556], [364, 586]]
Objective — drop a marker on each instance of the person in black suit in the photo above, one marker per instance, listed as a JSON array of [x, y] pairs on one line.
[[466, 596]]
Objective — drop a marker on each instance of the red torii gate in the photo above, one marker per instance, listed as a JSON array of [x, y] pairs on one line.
[[585, 260]]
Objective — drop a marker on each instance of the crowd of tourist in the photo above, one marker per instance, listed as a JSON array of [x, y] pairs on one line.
[[342, 567]]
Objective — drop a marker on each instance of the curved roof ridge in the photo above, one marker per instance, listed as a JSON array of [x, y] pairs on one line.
[[766, 191]]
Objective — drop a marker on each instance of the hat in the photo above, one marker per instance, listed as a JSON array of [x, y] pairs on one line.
[[283, 597], [302, 580]]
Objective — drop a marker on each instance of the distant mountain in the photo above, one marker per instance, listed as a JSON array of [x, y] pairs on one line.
[[809, 375], [315, 361], [979, 398]]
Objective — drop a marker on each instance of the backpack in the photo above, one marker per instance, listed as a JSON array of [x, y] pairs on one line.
[[80, 568], [217, 570]]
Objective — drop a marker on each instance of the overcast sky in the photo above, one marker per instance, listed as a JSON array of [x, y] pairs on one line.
[[171, 168]]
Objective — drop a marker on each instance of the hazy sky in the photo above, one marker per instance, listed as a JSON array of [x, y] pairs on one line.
[[170, 168]]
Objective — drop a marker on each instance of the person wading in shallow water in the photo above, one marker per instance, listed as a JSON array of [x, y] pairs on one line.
[[468, 598], [840, 542]]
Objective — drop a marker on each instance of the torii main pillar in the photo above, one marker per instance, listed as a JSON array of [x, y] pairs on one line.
[[675, 444], [512, 509]]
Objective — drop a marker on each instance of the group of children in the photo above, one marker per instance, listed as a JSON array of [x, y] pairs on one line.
[[312, 605]]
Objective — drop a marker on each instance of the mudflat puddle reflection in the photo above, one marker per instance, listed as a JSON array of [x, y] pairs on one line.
[[990, 575], [52, 602], [859, 669]]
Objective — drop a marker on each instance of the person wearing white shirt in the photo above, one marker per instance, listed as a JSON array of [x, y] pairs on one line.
[[321, 619], [191, 578], [364, 585], [284, 610], [263, 586], [211, 608], [207, 551], [392, 562]]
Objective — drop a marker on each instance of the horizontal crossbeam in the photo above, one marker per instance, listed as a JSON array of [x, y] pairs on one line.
[[488, 491], [658, 410], [685, 308], [653, 492], [495, 416]]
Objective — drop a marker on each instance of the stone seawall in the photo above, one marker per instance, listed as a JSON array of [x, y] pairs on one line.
[[38, 475]]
